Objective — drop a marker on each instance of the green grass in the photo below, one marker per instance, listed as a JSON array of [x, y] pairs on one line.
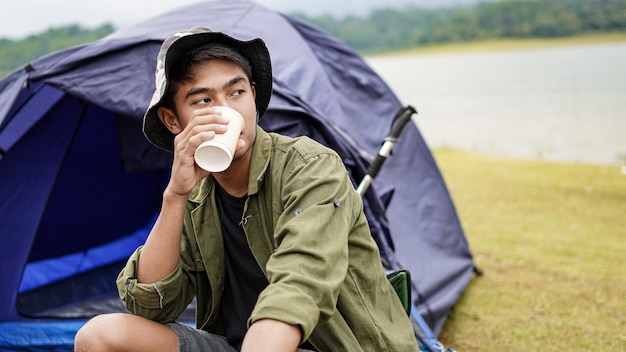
[[509, 44], [551, 240]]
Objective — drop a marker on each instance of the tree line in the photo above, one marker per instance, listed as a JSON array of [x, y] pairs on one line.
[[394, 28], [15, 53]]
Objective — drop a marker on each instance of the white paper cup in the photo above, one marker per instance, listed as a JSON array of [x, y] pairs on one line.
[[217, 154]]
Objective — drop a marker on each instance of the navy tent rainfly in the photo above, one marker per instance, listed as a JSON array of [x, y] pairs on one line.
[[80, 186]]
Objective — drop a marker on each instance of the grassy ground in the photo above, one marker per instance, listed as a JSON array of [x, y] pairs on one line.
[[551, 240], [509, 44]]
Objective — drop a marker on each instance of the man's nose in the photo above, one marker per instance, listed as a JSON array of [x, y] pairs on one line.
[[220, 101]]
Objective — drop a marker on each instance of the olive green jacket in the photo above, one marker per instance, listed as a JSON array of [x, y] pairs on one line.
[[305, 225]]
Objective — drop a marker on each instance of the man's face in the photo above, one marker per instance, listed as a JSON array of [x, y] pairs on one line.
[[219, 83]]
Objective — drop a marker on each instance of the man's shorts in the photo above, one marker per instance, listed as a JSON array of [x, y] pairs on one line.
[[190, 339]]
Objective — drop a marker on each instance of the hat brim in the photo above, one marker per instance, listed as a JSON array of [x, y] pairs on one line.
[[254, 50]]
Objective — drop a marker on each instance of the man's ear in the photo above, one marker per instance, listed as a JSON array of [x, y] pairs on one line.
[[169, 119]]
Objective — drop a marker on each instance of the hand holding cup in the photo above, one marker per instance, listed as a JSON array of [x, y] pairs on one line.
[[216, 154]]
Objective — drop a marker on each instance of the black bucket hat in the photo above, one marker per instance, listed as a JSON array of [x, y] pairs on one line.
[[176, 46]]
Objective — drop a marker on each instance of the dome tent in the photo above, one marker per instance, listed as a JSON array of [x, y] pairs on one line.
[[81, 186]]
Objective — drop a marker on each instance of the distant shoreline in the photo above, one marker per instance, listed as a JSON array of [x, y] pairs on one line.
[[505, 44]]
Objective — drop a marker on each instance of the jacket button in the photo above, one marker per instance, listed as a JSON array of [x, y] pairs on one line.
[[337, 203], [298, 211]]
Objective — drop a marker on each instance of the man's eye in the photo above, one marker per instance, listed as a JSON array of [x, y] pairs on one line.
[[203, 101], [238, 92]]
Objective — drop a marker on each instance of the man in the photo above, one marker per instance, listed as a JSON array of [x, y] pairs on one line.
[[276, 248]]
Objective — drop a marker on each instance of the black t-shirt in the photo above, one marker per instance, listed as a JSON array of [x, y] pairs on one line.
[[244, 278]]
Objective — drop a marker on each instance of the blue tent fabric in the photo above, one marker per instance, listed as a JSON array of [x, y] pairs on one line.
[[47, 336], [78, 180]]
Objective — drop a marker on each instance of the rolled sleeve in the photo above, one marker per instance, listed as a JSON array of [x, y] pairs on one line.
[[160, 301]]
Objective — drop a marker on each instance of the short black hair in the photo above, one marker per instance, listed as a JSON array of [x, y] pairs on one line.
[[181, 71]]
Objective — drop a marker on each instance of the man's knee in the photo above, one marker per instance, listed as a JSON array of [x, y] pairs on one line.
[[99, 333]]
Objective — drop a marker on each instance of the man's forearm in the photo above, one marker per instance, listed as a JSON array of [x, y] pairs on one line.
[[271, 335], [161, 252]]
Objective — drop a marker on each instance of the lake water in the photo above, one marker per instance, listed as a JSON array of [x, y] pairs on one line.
[[560, 103]]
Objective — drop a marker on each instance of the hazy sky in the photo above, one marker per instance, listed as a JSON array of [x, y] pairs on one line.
[[20, 18]]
